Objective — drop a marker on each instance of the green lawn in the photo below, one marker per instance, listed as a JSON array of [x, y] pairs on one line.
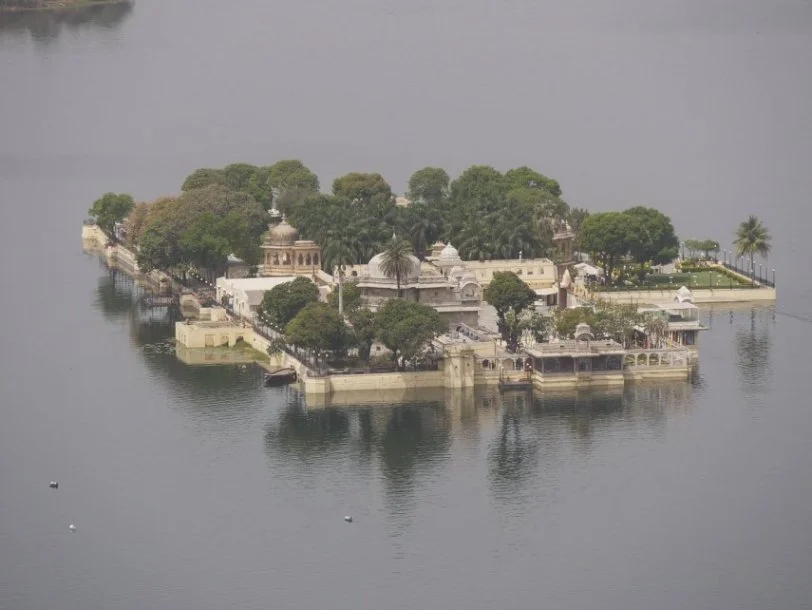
[[695, 281]]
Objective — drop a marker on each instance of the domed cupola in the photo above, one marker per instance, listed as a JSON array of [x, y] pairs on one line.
[[281, 234], [449, 257], [375, 269]]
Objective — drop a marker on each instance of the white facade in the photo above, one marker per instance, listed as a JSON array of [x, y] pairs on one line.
[[245, 294]]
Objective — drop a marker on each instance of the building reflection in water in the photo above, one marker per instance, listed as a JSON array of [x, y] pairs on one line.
[[46, 26], [521, 438]]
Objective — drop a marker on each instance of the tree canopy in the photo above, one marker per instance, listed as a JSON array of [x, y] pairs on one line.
[[652, 237], [283, 302], [197, 227], [406, 327], [109, 209], [705, 246], [510, 296], [317, 327], [363, 188], [608, 236], [429, 186]]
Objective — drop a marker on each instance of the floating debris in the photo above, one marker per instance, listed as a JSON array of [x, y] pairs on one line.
[[53, 485], [348, 519], [72, 528]]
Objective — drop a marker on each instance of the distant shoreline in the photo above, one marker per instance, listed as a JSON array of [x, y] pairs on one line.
[[61, 5]]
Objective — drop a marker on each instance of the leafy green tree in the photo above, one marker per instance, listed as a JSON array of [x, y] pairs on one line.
[[566, 320], [406, 327], [508, 294], [292, 174], [109, 209], [318, 328], [577, 217], [608, 236], [526, 178], [652, 237], [397, 261], [241, 221], [752, 238], [283, 302], [363, 188], [655, 327], [204, 244], [239, 175], [363, 331], [479, 183], [201, 178], [351, 297], [292, 181], [430, 186]]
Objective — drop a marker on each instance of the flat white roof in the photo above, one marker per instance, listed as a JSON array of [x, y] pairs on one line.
[[253, 284], [543, 292]]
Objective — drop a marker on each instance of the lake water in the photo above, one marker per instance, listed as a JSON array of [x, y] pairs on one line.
[[198, 488]]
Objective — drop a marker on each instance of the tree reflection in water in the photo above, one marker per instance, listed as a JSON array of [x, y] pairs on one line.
[[46, 26], [753, 345], [406, 442]]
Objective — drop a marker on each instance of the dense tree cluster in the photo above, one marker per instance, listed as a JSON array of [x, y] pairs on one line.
[[616, 321], [643, 234], [485, 213], [404, 327]]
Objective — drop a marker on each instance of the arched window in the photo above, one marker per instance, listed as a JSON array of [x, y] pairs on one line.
[[307, 260], [486, 364], [301, 260], [518, 364], [275, 259], [315, 259]]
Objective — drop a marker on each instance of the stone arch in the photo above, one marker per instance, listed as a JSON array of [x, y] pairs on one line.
[[654, 359], [301, 260], [630, 360], [486, 364], [642, 360], [307, 260], [315, 259], [518, 364], [275, 259]]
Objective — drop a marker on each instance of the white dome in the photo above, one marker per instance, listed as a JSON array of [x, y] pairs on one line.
[[375, 272], [449, 256], [468, 278]]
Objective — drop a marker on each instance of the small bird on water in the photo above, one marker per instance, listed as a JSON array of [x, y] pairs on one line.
[[53, 485], [72, 527], [348, 519]]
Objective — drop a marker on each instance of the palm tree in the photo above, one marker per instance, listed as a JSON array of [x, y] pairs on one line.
[[752, 238], [397, 260]]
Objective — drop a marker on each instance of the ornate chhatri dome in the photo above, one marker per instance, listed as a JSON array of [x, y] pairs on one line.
[[282, 233], [449, 257], [375, 271]]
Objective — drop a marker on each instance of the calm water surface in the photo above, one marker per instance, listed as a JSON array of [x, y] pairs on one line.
[[198, 488]]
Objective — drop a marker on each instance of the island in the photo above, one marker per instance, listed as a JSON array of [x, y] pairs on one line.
[[364, 290], [45, 5]]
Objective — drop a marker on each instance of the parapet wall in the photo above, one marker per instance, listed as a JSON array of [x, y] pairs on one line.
[[700, 296]]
